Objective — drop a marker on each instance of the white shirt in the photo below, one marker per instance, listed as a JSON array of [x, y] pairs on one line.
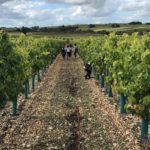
[[68, 49]]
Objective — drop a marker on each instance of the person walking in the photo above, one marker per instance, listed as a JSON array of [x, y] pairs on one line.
[[63, 52], [75, 50], [71, 49], [68, 50]]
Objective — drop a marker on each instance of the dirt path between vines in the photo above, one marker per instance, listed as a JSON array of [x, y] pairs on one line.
[[67, 112]]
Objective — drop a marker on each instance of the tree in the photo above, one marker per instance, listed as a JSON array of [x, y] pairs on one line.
[[135, 22], [115, 25], [35, 28], [91, 25], [24, 30]]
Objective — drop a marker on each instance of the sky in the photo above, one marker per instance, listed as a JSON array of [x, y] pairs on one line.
[[17, 13]]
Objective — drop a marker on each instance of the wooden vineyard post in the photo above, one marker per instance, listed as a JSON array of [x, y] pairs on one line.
[[39, 78], [26, 90], [109, 90], [97, 77], [28, 86], [144, 129], [14, 108], [102, 81], [122, 103], [33, 82]]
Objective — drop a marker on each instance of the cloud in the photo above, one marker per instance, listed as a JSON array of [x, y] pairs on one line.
[[59, 12], [4, 1], [93, 8], [138, 9], [20, 12], [76, 2], [135, 5]]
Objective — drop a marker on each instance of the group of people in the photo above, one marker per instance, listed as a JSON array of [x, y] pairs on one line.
[[68, 50]]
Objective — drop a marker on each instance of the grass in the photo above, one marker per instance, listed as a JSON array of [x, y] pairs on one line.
[[98, 27], [123, 27]]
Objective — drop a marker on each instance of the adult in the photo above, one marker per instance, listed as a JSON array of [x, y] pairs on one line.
[[88, 69], [63, 52], [68, 50], [76, 50]]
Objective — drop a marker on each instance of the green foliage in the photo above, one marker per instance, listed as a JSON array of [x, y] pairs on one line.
[[125, 62], [13, 67], [20, 58]]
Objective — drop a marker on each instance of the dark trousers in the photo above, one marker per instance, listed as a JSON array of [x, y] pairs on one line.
[[68, 54], [63, 55], [75, 54], [88, 75]]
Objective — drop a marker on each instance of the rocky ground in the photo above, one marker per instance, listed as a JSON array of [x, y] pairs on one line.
[[67, 112]]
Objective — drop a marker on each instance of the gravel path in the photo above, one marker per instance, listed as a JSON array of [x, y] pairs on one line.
[[67, 112]]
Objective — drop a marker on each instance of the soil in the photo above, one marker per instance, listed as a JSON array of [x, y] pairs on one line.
[[67, 112]]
